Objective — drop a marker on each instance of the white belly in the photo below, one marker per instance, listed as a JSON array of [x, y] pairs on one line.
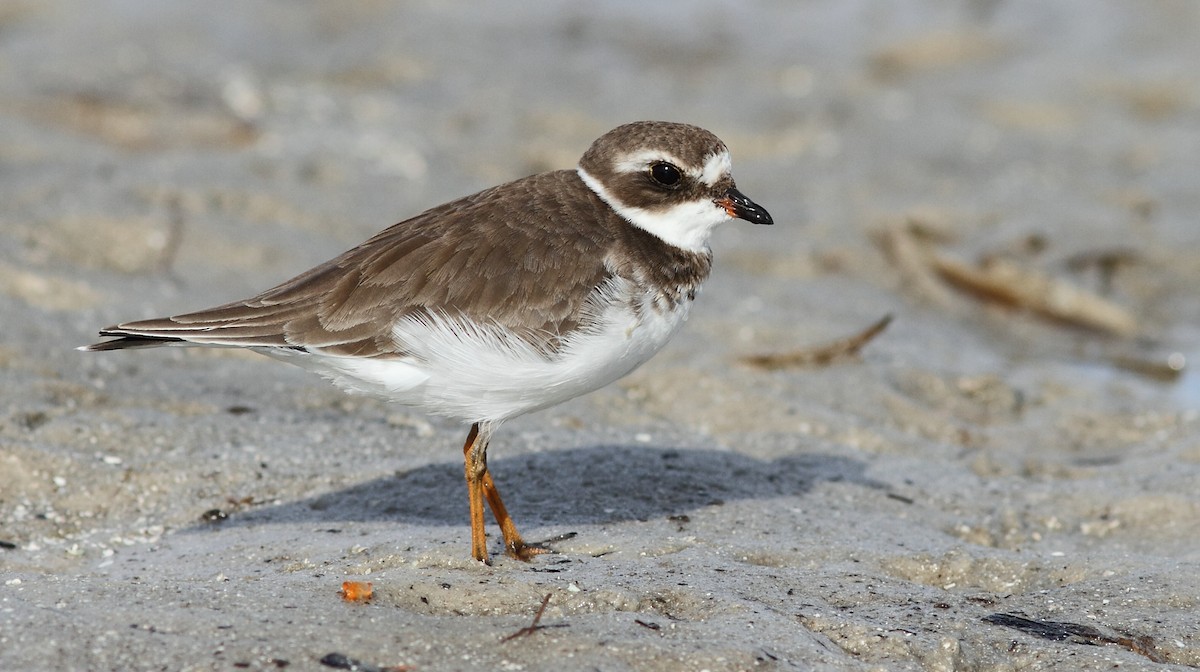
[[477, 373]]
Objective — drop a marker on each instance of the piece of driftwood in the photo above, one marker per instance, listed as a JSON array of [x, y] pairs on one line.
[[929, 274], [820, 355], [1004, 282]]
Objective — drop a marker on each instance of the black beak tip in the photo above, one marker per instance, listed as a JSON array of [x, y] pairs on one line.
[[759, 216], [743, 208]]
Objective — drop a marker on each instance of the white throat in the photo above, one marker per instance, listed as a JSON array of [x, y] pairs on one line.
[[686, 225]]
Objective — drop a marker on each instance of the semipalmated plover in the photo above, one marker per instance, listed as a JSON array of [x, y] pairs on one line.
[[508, 301]]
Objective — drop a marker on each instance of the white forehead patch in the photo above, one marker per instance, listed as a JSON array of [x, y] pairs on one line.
[[716, 167]]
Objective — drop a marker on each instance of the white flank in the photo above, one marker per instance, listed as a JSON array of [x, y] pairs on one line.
[[686, 225], [475, 372]]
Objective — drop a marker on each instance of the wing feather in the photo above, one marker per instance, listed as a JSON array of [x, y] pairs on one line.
[[521, 256]]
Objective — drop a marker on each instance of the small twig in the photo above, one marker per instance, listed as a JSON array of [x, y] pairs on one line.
[[908, 250], [821, 355], [1076, 633], [534, 626], [900, 498], [557, 538], [999, 280], [1004, 282]]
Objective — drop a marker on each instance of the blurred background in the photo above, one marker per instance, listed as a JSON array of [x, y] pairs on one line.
[[227, 145]]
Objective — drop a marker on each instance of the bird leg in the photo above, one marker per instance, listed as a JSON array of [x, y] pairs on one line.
[[475, 466], [514, 545], [480, 486]]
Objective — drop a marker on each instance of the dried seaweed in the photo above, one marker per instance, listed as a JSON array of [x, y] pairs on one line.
[[1075, 633]]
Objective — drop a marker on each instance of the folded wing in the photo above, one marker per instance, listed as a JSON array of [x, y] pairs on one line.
[[530, 270]]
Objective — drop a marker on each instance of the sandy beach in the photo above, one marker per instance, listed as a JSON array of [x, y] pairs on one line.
[[1007, 477]]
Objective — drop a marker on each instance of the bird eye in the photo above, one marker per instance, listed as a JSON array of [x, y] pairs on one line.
[[665, 174]]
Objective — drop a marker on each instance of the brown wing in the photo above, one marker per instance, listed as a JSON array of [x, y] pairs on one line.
[[525, 255]]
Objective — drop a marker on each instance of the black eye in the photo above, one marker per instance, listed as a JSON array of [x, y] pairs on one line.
[[665, 174]]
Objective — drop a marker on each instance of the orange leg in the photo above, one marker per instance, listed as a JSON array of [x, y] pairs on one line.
[[480, 486], [514, 545], [475, 467]]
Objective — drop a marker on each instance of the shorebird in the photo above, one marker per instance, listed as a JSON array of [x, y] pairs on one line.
[[504, 302]]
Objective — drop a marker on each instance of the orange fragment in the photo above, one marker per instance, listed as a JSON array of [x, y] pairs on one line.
[[356, 591]]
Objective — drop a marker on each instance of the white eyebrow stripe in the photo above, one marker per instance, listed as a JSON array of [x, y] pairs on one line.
[[716, 167], [636, 162]]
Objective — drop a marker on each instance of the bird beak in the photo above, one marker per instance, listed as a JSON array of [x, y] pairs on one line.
[[740, 207]]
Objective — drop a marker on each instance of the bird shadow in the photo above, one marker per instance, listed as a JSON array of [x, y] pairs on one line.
[[589, 485]]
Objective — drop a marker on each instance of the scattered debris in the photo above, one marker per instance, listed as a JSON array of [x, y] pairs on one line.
[[1076, 633], [648, 626], [1106, 263], [534, 626], [986, 600], [214, 516], [341, 661], [7, 545], [1167, 369], [999, 279], [357, 591], [821, 355], [907, 246], [555, 539], [1004, 282], [900, 498]]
